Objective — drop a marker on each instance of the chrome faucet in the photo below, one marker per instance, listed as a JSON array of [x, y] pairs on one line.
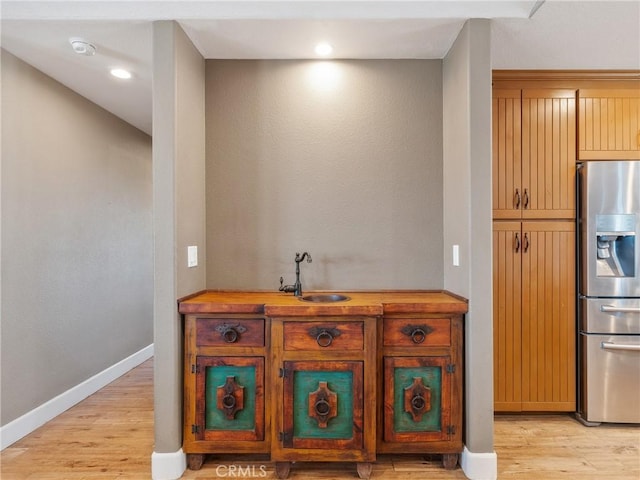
[[296, 288]]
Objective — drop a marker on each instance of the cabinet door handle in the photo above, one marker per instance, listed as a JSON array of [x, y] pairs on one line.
[[230, 397], [526, 199], [516, 199], [417, 399], [323, 404], [418, 403], [322, 407], [525, 243], [517, 242]]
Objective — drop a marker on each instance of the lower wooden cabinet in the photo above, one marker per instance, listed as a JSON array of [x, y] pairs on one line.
[[534, 316], [323, 388], [325, 391], [226, 373], [422, 385]]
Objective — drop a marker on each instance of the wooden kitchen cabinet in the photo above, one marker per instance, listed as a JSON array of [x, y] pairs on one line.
[[225, 379], [326, 370], [267, 373], [421, 385], [534, 315], [534, 153], [507, 153], [534, 168], [609, 123]]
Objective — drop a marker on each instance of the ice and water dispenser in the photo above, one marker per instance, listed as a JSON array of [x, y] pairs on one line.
[[616, 245]]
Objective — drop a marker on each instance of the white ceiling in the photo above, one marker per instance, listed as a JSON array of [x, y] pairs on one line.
[[560, 34]]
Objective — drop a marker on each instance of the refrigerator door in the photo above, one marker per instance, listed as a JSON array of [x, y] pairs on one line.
[[610, 229], [610, 387]]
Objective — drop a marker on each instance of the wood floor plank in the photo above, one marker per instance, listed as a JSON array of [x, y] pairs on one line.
[[109, 436]]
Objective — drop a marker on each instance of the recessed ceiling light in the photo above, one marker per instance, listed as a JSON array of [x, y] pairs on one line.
[[121, 73], [323, 49]]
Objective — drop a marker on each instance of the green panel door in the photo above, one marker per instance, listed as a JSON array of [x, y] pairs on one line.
[[305, 383], [417, 406], [430, 420], [230, 398], [216, 418], [323, 404]]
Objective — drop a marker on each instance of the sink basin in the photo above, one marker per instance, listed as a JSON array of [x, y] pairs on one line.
[[324, 298]]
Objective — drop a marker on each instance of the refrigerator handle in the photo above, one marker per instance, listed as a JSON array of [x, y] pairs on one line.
[[612, 309], [615, 346]]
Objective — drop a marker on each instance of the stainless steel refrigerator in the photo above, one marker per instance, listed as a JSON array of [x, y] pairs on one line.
[[609, 292]]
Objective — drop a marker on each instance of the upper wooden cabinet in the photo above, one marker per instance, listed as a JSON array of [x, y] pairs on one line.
[[534, 153], [507, 155], [609, 124]]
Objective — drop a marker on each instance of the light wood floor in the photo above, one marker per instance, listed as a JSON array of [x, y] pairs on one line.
[[110, 436]]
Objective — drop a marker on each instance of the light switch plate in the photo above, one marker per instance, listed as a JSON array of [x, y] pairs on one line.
[[192, 256], [456, 255]]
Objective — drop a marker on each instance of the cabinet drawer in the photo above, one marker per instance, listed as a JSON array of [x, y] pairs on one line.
[[324, 335], [417, 332], [246, 332]]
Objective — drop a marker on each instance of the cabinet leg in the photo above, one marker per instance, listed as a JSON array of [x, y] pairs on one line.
[[195, 461], [282, 469], [364, 470], [449, 461]]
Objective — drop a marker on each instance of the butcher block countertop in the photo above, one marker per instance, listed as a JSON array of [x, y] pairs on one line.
[[278, 304]]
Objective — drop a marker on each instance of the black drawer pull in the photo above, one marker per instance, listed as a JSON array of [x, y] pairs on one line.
[[417, 333], [230, 333], [324, 335]]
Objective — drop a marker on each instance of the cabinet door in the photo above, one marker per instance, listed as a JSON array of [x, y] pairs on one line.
[[417, 399], [507, 174], [323, 405], [609, 124], [548, 316], [229, 398], [534, 316], [507, 311], [548, 153]]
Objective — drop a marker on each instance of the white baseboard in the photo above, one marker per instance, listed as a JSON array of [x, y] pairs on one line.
[[27, 423], [479, 466], [168, 466]]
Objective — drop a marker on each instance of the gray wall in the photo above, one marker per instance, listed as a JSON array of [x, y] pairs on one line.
[[178, 214], [467, 214], [77, 283], [340, 158]]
